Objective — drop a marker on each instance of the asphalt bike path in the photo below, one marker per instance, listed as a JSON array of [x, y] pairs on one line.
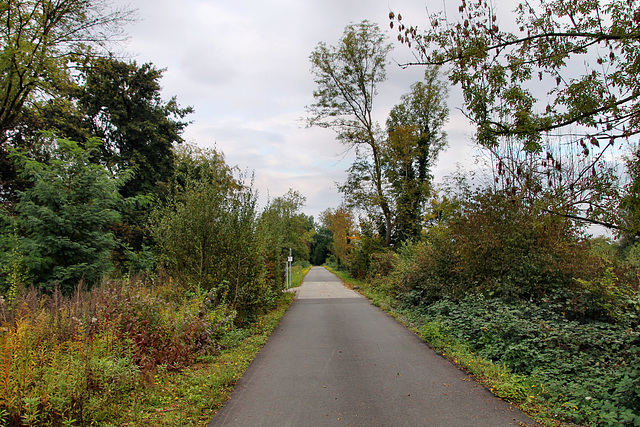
[[337, 360]]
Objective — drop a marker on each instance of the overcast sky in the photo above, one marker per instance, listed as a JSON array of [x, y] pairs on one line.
[[244, 67]]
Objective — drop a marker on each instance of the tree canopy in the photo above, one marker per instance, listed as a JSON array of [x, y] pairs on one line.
[[550, 99], [40, 40], [346, 75], [415, 138]]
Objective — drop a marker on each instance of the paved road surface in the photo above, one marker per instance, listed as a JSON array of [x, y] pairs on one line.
[[336, 360]]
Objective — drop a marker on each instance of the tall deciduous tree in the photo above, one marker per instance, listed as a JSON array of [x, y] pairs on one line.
[[415, 138], [40, 40], [346, 76], [123, 105]]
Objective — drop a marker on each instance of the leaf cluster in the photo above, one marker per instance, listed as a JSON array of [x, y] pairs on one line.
[[39, 42], [62, 220]]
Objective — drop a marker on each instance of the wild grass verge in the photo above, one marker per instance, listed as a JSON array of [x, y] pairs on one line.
[[557, 371], [128, 353]]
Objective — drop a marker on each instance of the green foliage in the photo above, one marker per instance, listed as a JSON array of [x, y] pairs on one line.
[[320, 245], [281, 227], [360, 257], [342, 228], [39, 42], [64, 217], [13, 267], [498, 245], [120, 103], [416, 137], [206, 232], [505, 74], [630, 202], [589, 370], [210, 235], [123, 106]]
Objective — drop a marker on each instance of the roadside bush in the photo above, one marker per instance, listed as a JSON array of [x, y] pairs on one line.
[[512, 249], [590, 371], [162, 331], [499, 246], [359, 258], [206, 233], [424, 273], [382, 264]]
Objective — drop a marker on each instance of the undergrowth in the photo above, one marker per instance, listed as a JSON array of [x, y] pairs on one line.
[[557, 370], [128, 353]]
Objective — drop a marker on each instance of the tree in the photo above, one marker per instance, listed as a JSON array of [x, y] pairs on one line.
[[502, 73], [341, 224], [282, 227], [346, 76], [320, 245], [124, 108], [119, 102], [206, 232], [522, 87], [630, 203], [39, 42], [416, 137], [64, 218]]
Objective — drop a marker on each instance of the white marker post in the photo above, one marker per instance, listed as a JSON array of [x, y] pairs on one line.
[[290, 260]]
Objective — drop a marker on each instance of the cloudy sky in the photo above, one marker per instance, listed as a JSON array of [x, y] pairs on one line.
[[244, 66]]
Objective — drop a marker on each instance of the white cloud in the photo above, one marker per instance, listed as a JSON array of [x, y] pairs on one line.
[[244, 67]]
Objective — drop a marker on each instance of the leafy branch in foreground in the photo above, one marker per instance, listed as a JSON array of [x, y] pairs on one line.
[[502, 73], [40, 40]]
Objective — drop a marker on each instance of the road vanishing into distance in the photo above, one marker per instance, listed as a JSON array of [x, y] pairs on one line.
[[337, 360]]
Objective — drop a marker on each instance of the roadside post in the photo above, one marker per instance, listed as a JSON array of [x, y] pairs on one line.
[[289, 261]]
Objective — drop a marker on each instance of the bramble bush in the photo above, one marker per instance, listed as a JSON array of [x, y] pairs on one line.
[[499, 246], [590, 371]]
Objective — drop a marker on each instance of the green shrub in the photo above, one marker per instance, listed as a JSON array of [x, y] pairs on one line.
[[359, 258], [497, 245], [382, 264], [64, 218], [590, 370], [421, 276]]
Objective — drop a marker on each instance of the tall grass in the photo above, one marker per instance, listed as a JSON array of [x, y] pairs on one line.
[[72, 360]]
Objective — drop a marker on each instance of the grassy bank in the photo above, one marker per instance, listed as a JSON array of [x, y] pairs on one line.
[[560, 372], [129, 353]]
